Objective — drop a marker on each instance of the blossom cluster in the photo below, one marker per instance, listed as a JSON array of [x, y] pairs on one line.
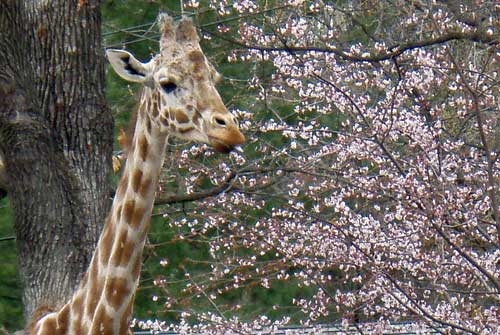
[[369, 183]]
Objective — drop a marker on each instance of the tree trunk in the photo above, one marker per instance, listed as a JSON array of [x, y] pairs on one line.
[[56, 140]]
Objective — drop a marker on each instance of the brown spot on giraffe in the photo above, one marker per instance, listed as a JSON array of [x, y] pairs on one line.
[[145, 187], [136, 180], [137, 216], [185, 130], [143, 147], [116, 291], [106, 244], [102, 322], [181, 116], [133, 214], [94, 293], [125, 249], [49, 326], [128, 210]]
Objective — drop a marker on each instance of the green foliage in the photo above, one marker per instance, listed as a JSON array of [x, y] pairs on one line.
[[11, 316]]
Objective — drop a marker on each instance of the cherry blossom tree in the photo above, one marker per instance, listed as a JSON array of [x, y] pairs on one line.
[[369, 188]]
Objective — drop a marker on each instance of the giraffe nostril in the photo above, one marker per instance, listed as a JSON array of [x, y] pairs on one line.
[[220, 121]]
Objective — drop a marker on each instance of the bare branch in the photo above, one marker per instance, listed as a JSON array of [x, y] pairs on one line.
[[392, 51], [223, 187]]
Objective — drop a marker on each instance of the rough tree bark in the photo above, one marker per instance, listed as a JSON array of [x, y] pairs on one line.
[[56, 140]]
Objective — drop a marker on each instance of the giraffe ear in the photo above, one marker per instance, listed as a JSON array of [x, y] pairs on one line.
[[126, 65]]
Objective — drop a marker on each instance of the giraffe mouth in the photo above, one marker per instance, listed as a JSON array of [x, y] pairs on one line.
[[221, 147], [226, 140]]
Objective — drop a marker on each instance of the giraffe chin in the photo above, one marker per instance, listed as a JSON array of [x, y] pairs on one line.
[[221, 147]]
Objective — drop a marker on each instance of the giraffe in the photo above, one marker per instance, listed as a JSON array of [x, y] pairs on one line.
[[179, 98]]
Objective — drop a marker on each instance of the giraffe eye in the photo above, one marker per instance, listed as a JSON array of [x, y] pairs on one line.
[[168, 87]]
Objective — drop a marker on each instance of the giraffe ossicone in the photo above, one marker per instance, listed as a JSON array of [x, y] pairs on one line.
[[179, 98]]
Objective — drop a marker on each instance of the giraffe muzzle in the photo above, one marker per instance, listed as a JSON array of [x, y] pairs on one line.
[[226, 140]]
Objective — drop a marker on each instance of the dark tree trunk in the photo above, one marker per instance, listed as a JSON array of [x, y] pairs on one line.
[[56, 140]]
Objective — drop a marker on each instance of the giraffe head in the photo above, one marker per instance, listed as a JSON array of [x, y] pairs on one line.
[[179, 94]]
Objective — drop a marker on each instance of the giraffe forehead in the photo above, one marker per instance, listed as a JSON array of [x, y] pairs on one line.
[[186, 61]]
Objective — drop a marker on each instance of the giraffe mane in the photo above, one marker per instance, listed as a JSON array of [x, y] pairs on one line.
[[125, 136]]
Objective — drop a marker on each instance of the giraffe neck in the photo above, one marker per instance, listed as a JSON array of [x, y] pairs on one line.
[[103, 302]]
